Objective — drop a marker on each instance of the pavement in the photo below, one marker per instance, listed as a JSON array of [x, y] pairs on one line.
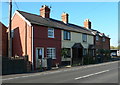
[[97, 73]]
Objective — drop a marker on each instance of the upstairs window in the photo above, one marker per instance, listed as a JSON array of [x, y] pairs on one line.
[[97, 38], [103, 39], [67, 35], [50, 33], [84, 37]]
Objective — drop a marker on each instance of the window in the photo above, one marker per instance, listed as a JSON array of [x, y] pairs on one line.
[[97, 38], [51, 53], [91, 52], [84, 37], [67, 35], [103, 39], [50, 32], [66, 52], [84, 52]]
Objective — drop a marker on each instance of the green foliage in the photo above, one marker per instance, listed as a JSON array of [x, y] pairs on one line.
[[64, 52], [113, 47], [118, 46]]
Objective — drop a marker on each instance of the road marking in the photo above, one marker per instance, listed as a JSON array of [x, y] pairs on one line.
[[31, 75], [70, 69], [10, 78], [91, 74]]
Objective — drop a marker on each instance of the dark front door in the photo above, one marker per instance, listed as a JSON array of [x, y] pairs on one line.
[[77, 55]]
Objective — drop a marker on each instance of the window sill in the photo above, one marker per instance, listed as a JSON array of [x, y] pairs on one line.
[[53, 58], [51, 37], [67, 40], [85, 41]]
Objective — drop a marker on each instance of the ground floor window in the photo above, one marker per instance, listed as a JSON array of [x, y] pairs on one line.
[[84, 52], [66, 52], [51, 53], [91, 52]]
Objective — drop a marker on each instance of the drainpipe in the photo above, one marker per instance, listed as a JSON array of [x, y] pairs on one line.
[[32, 50], [25, 39], [71, 57]]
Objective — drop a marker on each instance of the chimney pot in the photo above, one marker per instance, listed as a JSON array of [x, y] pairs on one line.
[[87, 24], [65, 17], [45, 11]]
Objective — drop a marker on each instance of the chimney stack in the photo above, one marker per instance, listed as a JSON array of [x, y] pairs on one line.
[[65, 17], [87, 24], [45, 11]]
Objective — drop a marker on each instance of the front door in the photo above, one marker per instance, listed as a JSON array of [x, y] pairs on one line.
[[77, 55], [39, 57]]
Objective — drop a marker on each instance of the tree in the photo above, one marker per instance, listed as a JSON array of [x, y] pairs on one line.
[[113, 47]]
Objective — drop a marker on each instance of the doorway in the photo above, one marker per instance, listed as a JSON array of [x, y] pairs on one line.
[[39, 56], [77, 53]]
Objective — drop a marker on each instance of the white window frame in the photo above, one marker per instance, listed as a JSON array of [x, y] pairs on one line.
[[52, 31], [51, 55]]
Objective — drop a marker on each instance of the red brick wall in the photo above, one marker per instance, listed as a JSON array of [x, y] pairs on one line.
[[3, 40], [41, 40], [102, 45], [19, 41], [106, 44]]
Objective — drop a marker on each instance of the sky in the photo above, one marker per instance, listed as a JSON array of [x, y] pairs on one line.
[[103, 15]]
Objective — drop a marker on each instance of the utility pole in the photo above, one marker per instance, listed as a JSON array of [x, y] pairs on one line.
[[9, 32]]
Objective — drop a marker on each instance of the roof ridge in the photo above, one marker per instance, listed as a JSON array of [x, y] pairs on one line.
[[29, 13], [39, 19], [49, 18]]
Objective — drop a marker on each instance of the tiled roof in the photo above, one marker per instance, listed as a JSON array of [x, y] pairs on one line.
[[37, 19], [96, 32]]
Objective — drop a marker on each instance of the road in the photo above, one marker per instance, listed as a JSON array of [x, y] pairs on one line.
[[99, 73]]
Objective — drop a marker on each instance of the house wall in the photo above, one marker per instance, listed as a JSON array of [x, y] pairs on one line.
[[41, 40], [77, 38], [106, 44], [102, 45], [3, 40], [22, 37]]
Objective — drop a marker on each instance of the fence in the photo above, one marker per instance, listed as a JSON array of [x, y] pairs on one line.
[[13, 66]]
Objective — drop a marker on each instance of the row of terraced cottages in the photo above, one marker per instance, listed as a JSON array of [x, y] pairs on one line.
[[40, 36]]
